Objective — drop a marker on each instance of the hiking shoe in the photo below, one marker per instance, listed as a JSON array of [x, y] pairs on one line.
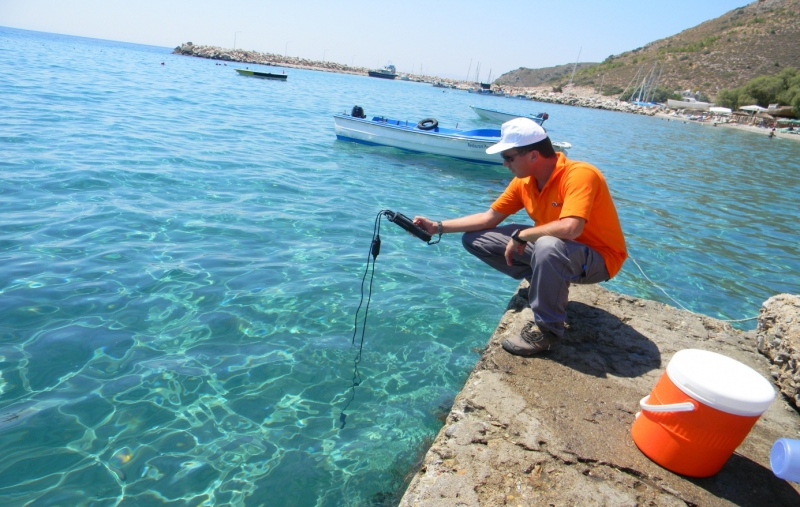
[[530, 341]]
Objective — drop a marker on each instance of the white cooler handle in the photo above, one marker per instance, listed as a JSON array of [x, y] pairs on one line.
[[686, 406]]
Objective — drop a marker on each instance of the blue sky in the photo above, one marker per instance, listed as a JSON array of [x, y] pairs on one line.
[[446, 38]]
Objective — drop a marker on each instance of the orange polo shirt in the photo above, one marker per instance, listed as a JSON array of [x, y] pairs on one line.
[[574, 189]]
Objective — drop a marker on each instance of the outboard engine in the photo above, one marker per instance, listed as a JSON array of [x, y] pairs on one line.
[[358, 112]]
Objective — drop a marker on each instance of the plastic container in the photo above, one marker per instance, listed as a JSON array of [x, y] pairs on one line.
[[699, 411], [785, 459]]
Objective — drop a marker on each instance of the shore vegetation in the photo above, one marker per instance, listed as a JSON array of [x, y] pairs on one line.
[[782, 88]]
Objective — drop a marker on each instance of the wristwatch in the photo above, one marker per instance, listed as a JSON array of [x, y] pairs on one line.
[[515, 237]]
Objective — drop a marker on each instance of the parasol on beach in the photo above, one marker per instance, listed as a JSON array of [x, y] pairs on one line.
[[719, 110], [753, 109]]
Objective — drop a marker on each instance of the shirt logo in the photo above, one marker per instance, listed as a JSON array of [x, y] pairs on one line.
[[556, 204]]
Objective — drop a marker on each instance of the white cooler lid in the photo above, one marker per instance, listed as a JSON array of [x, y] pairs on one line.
[[720, 382]]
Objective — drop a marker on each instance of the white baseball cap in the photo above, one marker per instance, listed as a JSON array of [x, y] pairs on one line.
[[517, 132]]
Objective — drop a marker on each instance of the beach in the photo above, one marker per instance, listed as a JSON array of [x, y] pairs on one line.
[[764, 131]]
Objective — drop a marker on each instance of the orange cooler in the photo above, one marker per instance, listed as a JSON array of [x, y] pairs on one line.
[[699, 411]]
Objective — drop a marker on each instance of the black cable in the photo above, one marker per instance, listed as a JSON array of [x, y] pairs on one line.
[[374, 250]]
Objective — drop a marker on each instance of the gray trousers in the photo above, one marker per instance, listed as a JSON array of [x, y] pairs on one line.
[[550, 264]]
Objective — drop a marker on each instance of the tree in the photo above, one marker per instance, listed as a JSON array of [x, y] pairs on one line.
[[662, 93], [764, 89], [728, 98], [783, 88]]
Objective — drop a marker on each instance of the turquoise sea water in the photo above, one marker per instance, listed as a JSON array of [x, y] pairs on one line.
[[182, 251]]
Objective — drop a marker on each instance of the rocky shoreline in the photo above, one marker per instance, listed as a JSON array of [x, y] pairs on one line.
[[582, 97], [569, 96], [555, 430]]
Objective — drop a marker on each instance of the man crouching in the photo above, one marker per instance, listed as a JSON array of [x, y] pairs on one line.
[[576, 236]]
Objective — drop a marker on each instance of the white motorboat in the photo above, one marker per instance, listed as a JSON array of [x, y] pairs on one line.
[[425, 136], [501, 117], [688, 103]]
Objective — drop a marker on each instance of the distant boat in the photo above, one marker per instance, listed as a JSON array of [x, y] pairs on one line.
[[423, 137], [487, 86], [688, 103], [388, 72], [264, 75], [501, 117]]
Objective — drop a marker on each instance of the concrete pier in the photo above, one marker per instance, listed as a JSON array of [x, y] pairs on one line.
[[555, 430]]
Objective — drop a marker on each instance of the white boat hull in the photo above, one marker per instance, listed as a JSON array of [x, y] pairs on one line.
[[368, 132], [681, 104], [495, 116], [461, 144]]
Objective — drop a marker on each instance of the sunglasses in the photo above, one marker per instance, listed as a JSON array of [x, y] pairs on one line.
[[510, 158]]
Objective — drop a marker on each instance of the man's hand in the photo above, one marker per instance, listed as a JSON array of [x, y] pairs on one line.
[[511, 248], [429, 226]]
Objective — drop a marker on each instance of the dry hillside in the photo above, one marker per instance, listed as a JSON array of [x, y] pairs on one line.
[[538, 77], [758, 39]]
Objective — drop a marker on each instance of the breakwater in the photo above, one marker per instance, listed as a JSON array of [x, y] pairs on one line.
[[591, 101], [255, 57], [581, 97]]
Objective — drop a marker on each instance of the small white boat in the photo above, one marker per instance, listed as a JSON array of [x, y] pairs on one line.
[[263, 75], [688, 103], [426, 136], [500, 117]]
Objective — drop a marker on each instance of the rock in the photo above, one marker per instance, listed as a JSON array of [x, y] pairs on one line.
[[555, 430], [778, 338]]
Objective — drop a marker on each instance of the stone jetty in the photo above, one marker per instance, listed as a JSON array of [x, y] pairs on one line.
[[555, 430], [574, 96], [245, 56], [582, 99]]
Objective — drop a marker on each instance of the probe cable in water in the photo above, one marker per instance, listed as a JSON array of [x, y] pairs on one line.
[[375, 249]]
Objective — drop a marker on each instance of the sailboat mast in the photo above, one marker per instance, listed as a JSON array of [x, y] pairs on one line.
[[654, 86], [634, 80], [647, 83], [575, 67]]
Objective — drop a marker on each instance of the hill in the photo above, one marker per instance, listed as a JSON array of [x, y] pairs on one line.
[[760, 38], [539, 77]]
